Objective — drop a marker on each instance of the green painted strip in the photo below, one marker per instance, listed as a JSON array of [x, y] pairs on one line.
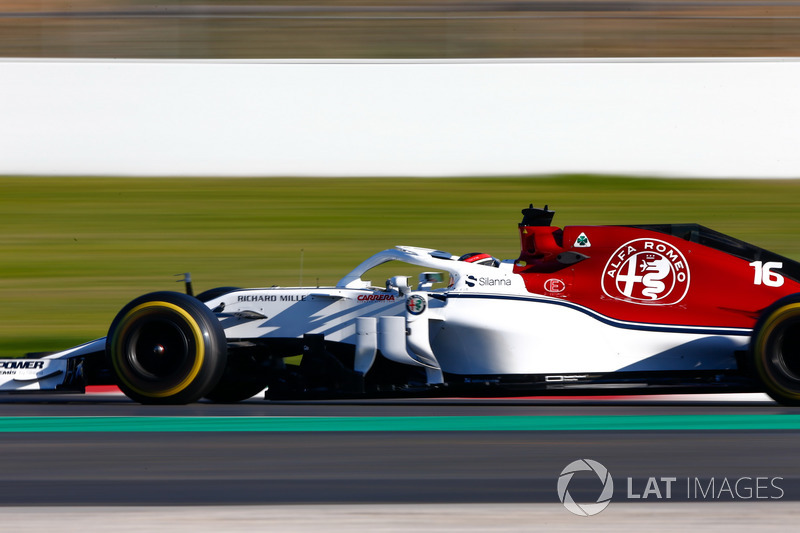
[[401, 423]]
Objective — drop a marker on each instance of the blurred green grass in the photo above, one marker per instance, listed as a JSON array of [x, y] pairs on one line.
[[73, 251]]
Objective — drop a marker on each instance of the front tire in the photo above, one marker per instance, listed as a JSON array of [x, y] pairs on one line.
[[775, 350], [166, 348]]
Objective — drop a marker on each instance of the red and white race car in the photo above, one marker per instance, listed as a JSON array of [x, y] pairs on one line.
[[644, 308]]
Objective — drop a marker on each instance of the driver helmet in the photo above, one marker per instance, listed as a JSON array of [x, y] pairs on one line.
[[479, 258]]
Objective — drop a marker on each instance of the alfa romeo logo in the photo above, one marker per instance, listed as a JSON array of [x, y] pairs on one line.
[[647, 272], [416, 304], [585, 509]]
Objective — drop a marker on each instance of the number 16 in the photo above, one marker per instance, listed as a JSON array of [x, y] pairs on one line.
[[765, 275]]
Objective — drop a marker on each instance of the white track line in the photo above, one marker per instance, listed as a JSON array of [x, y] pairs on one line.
[[731, 517]]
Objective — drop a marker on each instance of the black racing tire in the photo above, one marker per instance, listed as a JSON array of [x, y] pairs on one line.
[[775, 350], [232, 389], [166, 348], [243, 378]]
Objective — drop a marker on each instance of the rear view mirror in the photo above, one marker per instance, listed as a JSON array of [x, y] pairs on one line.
[[427, 279]]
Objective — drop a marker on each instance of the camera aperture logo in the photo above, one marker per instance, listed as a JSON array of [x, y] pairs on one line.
[[585, 509]]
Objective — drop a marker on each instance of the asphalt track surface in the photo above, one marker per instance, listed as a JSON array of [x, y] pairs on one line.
[[78, 451]]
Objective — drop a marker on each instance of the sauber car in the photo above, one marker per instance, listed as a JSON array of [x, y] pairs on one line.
[[583, 309]]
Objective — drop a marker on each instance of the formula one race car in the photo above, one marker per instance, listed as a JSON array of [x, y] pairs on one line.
[[667, 308]]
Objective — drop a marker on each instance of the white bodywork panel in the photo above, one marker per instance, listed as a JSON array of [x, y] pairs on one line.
[[527, 336], [31, 374]]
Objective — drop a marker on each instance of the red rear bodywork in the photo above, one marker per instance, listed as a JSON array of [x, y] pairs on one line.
[[682, 274]]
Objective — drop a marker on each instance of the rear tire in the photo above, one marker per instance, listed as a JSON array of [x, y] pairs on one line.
[[775, 350], [166, 348]]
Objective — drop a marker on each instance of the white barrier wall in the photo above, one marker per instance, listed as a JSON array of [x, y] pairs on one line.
[[735, 118]]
